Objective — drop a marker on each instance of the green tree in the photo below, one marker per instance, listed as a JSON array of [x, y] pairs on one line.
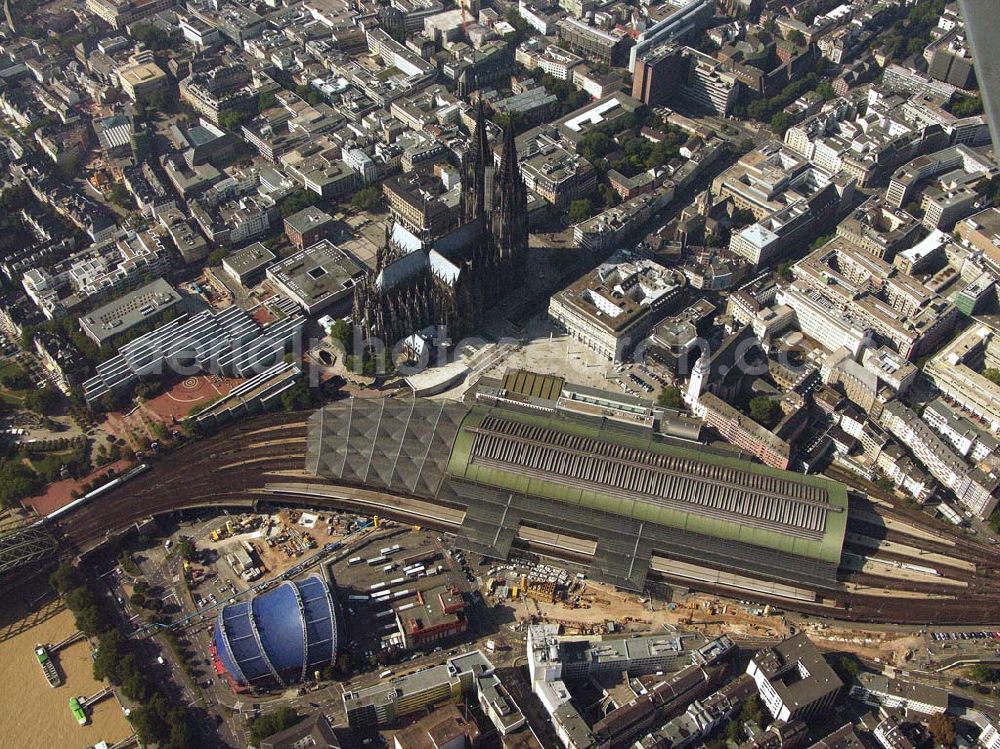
[[765, 411], [163, 101], [995, 521], [595, 145], [797, 38], [521, 30], [990, 189], [15, 378], [266, 100], [847, 668], [580, 210], [984, 673], [86, 613], [780, 122], [296, 201], [234, 119], [108, 656], [670, 397], [298, 397], [153, 720], [43, 400], [65, 578], [516, 120], [752, 712], [119, 195], [820, 241], [153, 37], [186, 549], [884, 483], [272, 723], [742, 217], [609, 197], [966, 106], [17, 481], [759, 110], [368, 198], [309, 94], [733, 732], [342, 333]]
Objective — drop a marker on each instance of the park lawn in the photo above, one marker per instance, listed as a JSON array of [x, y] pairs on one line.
[[47, 465], [8, 396], [12, 397]]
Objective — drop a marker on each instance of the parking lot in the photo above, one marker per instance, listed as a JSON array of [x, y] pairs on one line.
[[638, 380], [985, 635], [406, 571]]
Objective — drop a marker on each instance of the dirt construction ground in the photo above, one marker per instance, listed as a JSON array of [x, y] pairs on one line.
[[712, 617]]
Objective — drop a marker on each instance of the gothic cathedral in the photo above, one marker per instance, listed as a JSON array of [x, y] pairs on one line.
[[413, 287]]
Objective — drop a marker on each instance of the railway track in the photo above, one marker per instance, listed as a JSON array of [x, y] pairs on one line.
[[983, 555], [214, 471], [233, 467]]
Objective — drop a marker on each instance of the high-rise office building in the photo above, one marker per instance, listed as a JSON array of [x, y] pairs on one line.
[[982, 27]]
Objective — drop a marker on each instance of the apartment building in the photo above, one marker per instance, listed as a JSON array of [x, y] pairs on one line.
[[684, 22], [974, 489], [886, 693], [119, 13], [982, 231], [896, 307], [422, 203], [594, 43], [823, 321], [308, 226], [744, 432], [958, 164], [970, 440], [794, 680], [551, 168], [141, 80], [956, 371], [213, 91], [879, 229], [768, 240], [387, 701]]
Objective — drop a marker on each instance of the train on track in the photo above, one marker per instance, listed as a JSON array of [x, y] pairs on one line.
[[95, 493]]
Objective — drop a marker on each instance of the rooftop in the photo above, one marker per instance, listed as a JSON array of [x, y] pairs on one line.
[[437, 729], [307, 219], [128, 310], [797, 671], [493, 448], [317, 274], [621, 291], [249, 259]]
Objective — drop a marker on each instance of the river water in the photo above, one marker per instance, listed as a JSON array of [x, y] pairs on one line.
[[34, 715]]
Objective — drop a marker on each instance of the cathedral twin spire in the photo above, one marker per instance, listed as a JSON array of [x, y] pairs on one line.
[[477, 160], [510, 214], [496, 255]]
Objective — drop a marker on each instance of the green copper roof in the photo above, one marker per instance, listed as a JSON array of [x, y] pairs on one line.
[[826, 548]]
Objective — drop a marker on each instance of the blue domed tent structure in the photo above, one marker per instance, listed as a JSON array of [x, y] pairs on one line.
[[279, 637]]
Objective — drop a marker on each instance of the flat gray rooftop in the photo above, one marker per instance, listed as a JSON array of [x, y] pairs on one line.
[[128, 310]]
